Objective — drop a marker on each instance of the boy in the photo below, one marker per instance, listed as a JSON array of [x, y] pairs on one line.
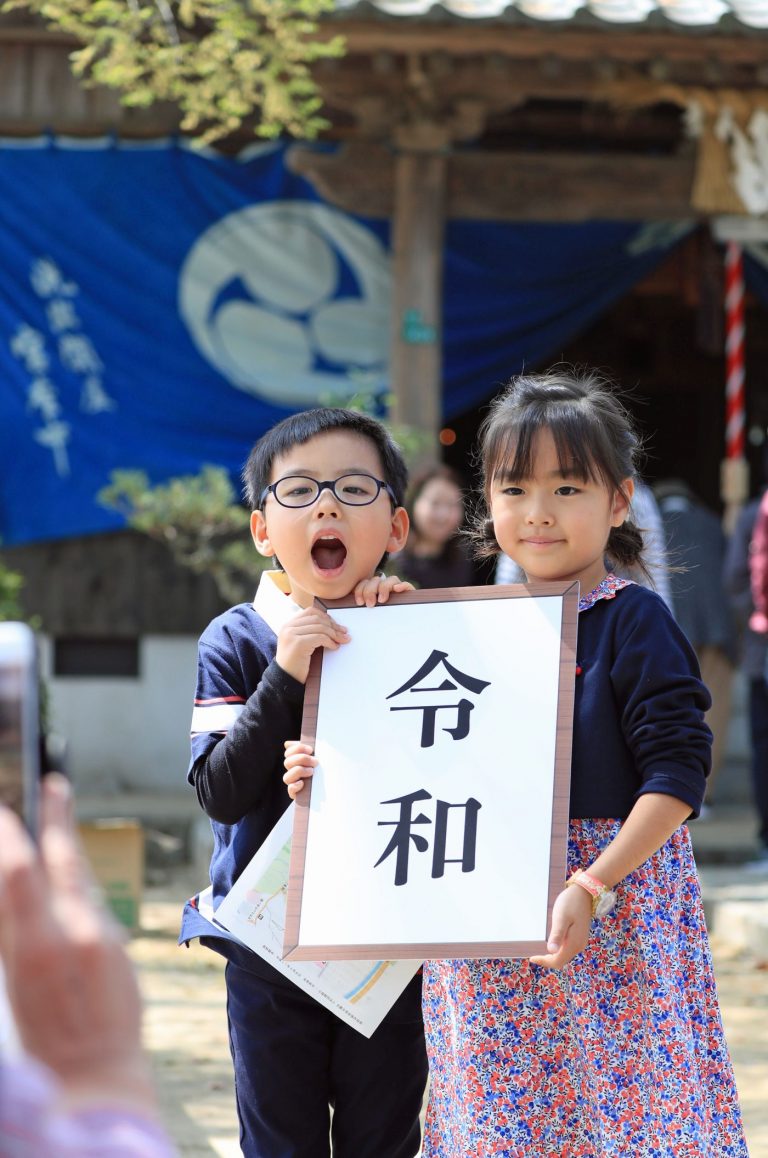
[[326, 489]]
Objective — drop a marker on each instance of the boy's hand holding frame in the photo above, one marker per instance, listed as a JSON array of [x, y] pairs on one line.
[[378, 589], [299, 761], [314, 628], [302, 635]]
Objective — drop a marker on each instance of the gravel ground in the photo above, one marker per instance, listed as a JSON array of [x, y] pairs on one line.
[[187, 1036]]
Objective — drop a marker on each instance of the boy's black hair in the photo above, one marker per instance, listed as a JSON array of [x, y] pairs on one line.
[[300, 428]]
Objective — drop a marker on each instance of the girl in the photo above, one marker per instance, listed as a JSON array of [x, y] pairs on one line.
[[611, 1042], [435, 554]]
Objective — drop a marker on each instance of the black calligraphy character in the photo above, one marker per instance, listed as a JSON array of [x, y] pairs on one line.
[[437, 657], [467, 859], [464, 706], [428, 720], [402, 834]]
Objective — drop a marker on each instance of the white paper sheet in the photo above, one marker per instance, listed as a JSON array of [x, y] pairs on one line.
[[359, 992]]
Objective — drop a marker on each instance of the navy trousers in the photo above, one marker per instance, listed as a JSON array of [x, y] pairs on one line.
[[293, 1060]]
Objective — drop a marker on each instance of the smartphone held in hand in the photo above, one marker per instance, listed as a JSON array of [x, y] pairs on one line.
[[19, 721]]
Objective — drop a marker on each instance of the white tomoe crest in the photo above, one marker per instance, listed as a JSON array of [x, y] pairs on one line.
[[290, 301]]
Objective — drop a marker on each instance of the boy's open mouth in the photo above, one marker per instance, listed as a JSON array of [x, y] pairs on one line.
[[328, 553]]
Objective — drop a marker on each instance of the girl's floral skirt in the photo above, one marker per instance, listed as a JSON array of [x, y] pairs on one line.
[[620, 1053]]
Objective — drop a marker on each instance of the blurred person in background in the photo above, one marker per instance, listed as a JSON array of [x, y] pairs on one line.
[[696, 549], [747, 579], [436, 554]]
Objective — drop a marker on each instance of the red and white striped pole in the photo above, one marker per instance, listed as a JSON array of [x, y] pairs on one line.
[[734, 477], [734, 351]]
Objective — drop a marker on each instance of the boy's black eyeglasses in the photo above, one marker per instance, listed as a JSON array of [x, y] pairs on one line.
[[354, 490]]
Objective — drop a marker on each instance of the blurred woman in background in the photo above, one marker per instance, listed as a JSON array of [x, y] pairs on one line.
[[436, 554]]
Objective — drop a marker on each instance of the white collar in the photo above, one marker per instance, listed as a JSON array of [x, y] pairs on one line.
[[272, 600]]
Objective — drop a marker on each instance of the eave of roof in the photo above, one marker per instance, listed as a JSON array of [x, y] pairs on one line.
[[683, 15]]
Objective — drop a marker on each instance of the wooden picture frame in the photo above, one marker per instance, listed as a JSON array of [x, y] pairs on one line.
[[358, 885]]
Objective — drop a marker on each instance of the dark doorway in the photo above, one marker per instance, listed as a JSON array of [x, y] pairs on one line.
[[663, 344]]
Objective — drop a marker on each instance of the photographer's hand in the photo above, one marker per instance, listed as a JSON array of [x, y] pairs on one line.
[[71, 985]]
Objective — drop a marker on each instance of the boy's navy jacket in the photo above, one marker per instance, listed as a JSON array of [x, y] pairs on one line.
[[246, 706], [638, 727]]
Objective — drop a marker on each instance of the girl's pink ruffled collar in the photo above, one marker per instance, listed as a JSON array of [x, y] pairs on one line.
[[606, 589]]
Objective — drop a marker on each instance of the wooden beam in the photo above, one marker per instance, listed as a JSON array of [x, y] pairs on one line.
[[461, 38], [569, 187], [469, 38], [370, 167], [417, 286], [34, 34], [512, 186]]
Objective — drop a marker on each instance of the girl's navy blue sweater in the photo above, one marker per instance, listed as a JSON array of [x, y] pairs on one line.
[[639, 708]]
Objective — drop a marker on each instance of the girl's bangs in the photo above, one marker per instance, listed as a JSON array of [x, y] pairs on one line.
[[511, 450]]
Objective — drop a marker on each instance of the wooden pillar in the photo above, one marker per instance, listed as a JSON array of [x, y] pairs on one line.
[[417, 244]]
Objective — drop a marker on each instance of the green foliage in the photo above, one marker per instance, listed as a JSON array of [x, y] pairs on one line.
[[198, 518], [11, 583], [10, 589], [220, 61]]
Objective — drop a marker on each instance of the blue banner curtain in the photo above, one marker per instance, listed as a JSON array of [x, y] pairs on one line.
[[160, 308], [756, 270]]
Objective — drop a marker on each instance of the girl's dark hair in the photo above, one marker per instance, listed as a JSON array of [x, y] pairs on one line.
[[594, 438], [300, 428]]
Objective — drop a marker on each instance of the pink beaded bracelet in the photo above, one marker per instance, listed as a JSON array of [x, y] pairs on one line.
[[603, 898]]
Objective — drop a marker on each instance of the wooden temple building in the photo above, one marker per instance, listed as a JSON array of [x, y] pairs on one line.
[[527, 112], [544, 110], [535, 111]]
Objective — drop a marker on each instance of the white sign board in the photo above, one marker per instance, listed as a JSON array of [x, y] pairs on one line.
[[436, 822]]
